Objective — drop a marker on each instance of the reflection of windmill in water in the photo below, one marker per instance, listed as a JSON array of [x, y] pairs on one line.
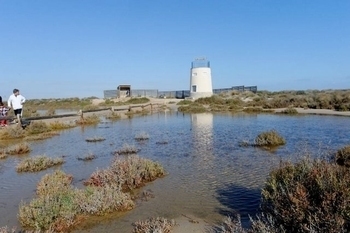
[[202, 134]]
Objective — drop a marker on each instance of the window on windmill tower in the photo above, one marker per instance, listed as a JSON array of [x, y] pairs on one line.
[[194, 88], [194, 74]]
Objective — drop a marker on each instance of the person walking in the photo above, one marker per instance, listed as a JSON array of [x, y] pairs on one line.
[[16, 102]]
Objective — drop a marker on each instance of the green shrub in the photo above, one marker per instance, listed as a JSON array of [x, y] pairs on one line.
[[192, 108]]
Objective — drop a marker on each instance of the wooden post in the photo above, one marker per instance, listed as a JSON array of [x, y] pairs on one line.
[[81, 115]]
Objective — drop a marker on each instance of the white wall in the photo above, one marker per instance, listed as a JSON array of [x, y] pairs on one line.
[[201, 79]]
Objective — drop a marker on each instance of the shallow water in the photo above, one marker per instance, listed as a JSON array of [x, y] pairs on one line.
[[209, 174]]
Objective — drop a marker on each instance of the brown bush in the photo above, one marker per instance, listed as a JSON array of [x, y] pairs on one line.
[[342, 157], [310, 196]]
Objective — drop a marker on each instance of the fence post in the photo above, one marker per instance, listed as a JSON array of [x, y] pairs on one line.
[[81, 115]]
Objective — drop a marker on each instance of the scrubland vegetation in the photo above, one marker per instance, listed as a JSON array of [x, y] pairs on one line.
[[59, 206], [154, 225], [338, 100], [38, 163], [310, 195]]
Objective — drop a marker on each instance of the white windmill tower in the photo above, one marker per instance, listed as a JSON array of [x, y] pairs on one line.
[[201, 85]]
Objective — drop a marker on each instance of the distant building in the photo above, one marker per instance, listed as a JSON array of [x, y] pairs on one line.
[[200, 83], [123, 91]]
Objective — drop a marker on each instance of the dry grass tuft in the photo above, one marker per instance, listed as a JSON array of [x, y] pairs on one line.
[[38, 163], [57, 125], [269, 138], [7, 230], [59, 206], [230, 225], [53, 183], [37, 127], [12, 133], [127, 150], [113, 116], [42, 136], [142, 136], [95, 139], [89, 120], [154, 225], [88, 157], [101, 200], [3, 154], [290, 111], [128, 173], [21, 148]]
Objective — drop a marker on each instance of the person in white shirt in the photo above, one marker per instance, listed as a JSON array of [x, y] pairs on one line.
[[16, 102]]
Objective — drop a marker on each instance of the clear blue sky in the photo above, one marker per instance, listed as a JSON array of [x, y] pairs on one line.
[[78, 48]]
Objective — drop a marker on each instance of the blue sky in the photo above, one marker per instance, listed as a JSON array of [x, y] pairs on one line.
[[78, 48]]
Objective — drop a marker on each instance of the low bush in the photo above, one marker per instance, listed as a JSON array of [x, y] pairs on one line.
[[113, 116], [37, 127], [269, 138], [88, 157], [42, 136], [127, 150], [129, 173], [290, 111], [154, 225], [192, 108], [309, 196], [38, 163], [89, 120], [55, 182], [101, 200], [12, 133], [253, 109], [185, 102], [141, 100], [342, 156], [142, 136], [18, 149], [57, 125], [95, 139]]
